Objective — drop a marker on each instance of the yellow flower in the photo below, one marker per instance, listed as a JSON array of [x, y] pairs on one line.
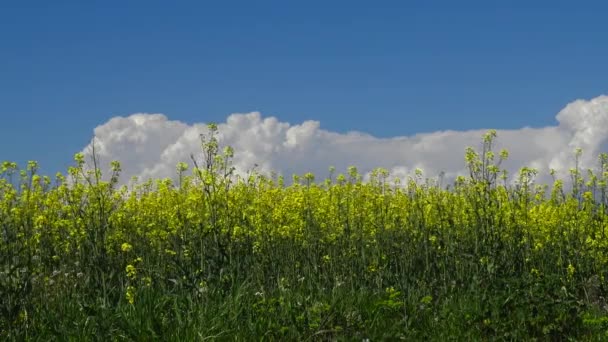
[[130, 295], [125, 247], [426, 300], [147, 281], [131, 271], [571, 270], [535, 272]]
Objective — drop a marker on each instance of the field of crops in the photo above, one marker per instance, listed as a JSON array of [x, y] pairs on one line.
[[216, 256]]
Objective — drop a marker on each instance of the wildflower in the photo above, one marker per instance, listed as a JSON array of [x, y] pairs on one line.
[[125, 247], [426, 300], [115, 165], [504, 154], [22, 316], [483, 260], [130, 295], [147, 281], [571, 270], [131, 271], [181, 167], [310, 177], [535, 272]]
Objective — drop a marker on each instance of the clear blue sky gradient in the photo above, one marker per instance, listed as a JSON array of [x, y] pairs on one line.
[[386, 68]]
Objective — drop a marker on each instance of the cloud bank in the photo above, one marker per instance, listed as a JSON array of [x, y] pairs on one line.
[[150, 145]]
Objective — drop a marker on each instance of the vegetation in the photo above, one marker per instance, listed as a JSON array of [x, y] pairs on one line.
[[217, 256]]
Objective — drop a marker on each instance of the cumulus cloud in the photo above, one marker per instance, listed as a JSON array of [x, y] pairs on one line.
[[150, 145]]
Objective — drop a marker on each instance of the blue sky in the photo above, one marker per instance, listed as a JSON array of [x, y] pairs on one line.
[[384, 68]]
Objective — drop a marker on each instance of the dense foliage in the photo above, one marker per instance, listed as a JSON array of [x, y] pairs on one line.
[[217, 256]]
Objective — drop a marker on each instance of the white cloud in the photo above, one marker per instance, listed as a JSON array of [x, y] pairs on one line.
[[150, 145]]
